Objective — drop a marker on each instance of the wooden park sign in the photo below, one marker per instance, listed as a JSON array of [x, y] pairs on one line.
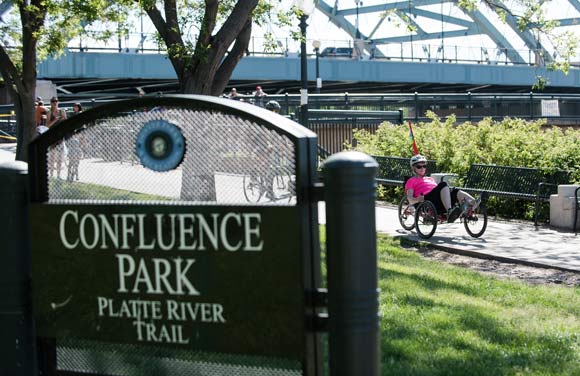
[[198, 277]]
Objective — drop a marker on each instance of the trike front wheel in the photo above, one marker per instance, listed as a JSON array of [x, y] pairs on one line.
[[406, 214], [253, 188], [426, 219]]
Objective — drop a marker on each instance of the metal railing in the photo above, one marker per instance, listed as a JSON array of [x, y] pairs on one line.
[[418, 51], [558, 109], [7, 125], [335, 128]]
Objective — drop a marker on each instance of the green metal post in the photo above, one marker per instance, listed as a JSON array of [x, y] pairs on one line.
[[303, 73], [16, 325], [286, 104], [416, 107], [349, 181], [469, 104], [531, 104]]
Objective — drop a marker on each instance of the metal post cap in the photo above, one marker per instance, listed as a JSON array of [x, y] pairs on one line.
[[15, 166], [350, 159], [11, 175]]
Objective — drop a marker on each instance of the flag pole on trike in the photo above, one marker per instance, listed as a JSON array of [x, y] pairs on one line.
[[415, 149]]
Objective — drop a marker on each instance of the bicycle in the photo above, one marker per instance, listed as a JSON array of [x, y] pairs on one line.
[[423, 217], [275, 186]]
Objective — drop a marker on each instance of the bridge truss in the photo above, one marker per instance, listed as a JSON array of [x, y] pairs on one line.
[[446, 23]]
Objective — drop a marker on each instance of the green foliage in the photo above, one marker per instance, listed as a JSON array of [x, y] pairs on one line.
[[509, 142], [541, 82], [59, 22]]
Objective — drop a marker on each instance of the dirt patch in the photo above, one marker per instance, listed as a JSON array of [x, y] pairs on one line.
[[503, 270]]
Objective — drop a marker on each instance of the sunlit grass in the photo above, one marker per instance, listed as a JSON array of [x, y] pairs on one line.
[[439, 319], [88, 191]]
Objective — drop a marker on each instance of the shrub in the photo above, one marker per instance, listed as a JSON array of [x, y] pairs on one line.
[[509, 142]]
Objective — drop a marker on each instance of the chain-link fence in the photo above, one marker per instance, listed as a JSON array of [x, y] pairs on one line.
[[228, 160]]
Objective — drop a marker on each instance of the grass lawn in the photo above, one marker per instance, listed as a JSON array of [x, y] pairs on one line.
[[438, 319], [88, 191]]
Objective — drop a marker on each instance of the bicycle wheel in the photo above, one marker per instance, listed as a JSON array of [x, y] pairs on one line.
[[253, 190], [280, 182], [426, 219], [406, 214], [282, 186], [475, 221]]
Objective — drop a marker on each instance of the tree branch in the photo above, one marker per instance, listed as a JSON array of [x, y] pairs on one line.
[[32, 19], [497, 4], [9, 72], [169, 37], [228, 65], [207, 24], [234, 24], [171, 15]]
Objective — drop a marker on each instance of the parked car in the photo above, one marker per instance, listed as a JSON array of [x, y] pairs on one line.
[[336, 52]]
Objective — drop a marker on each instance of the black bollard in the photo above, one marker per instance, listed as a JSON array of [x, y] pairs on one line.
[[16, 325], [349, 181]]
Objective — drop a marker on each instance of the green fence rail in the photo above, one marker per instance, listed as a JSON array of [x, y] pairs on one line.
[[558, 109]]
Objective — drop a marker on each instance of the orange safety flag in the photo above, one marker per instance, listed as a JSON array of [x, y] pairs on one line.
[[415, 150]]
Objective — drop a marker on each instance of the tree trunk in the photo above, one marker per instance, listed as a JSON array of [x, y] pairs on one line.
[[197, 82], [25, 123], [208, 77], [198, 74], [22, 84]]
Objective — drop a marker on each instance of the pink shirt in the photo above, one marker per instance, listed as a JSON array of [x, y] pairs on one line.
[[420, 186]]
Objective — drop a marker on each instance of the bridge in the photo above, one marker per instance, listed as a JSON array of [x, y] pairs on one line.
[[440, 47], [91, 74]]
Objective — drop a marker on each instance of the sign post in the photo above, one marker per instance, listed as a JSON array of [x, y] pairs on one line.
[[349, 178], [17, 339]]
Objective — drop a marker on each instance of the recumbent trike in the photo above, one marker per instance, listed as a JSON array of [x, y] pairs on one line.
[[424, 218]]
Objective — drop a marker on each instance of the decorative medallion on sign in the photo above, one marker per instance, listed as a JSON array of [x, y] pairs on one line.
[[160, 145]]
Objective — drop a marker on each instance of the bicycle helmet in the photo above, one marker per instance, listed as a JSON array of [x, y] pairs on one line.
[[416, 159], [273, 106]]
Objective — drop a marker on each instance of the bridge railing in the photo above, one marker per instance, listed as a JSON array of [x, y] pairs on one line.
[[418, 51]]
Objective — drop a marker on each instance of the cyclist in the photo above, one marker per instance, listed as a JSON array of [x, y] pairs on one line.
[[421, 187], [273, 106]]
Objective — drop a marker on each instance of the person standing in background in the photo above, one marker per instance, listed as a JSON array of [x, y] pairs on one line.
[[259, 97], [234, 94], [77, 108], [58, 152], [41, 114], [55, 114]]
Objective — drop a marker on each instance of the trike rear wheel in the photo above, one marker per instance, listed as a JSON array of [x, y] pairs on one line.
[[475, 221]]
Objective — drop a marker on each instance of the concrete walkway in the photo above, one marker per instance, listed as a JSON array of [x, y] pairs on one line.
[[508, 241]]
